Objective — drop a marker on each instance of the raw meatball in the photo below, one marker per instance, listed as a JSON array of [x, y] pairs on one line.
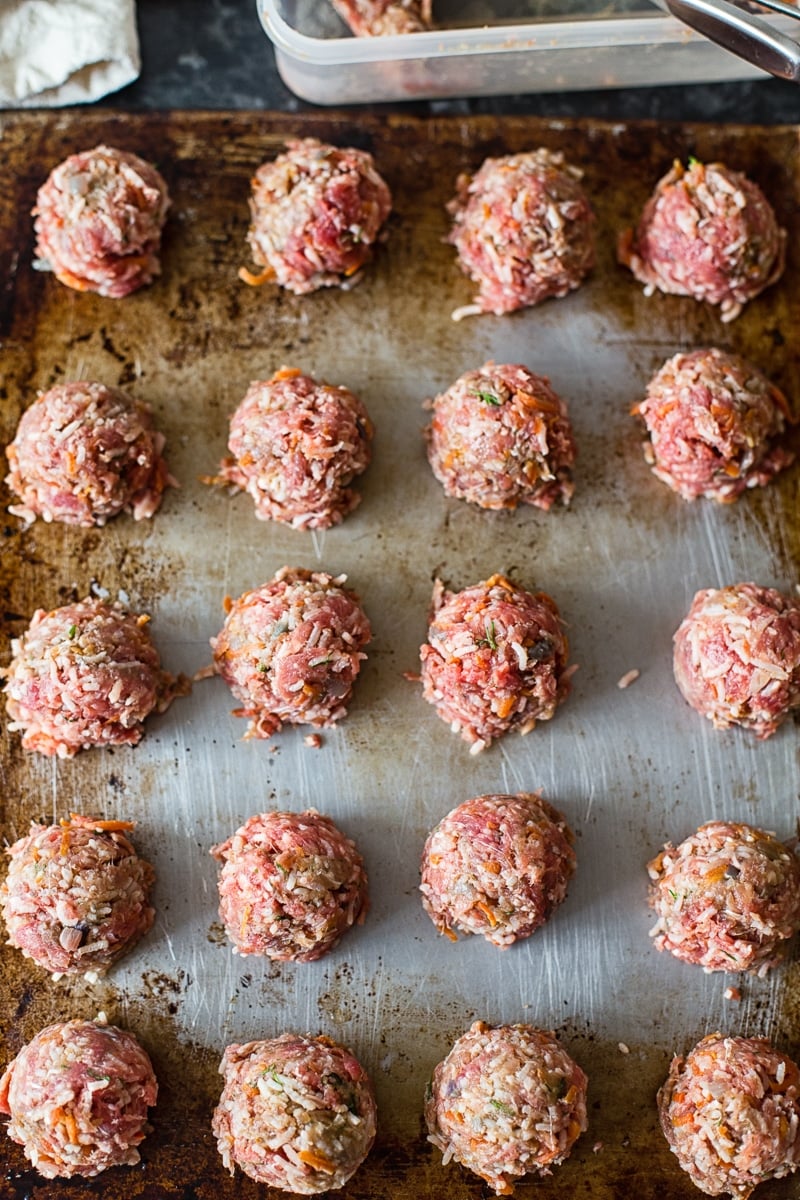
[[377, 18], [506, 1102], [296, 445], [727, 898], [77, 896], [497, 866], [78, 1095], [737, 657], [713, 421], [706, 232], [731, 1113], [99, 217], [501, 437], [291, 885], [84, 452], [297, 1113], [523, 229], [316, 212], [495, 659], [291, 650], [85, 675]]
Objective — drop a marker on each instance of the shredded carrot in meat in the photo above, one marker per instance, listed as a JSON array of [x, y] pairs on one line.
[[487, 912], [73, 281], [318, 1161], [106, 826], [227, 604], [61, 1116], [255, 280], [245, 919], [286, 373], [449, 933], [352, 270], [493, 867], [716, 874], [64, 849], [142, 619], [505, 706]]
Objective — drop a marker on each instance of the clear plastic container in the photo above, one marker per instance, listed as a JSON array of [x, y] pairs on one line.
[[534, 46]]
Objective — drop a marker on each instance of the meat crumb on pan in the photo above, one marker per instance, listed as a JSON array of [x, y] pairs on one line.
[[497, 865], [77, 896], [733, 993], [291, 650], [708, 232], [495, 659], [506, 1102], [628, 678], [523, 229], [78, 1095], [297, 1113], [501, 436], [714, 425], [291, 884], [316, 214], [295, 447], [381, 18], [737, 657], [727, 898], [84, 675], [99, 216], [83, 453], [730, 1111]]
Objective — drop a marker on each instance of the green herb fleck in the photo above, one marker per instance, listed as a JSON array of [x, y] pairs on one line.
[[674, 895], [486, 396], [272, 1072], [490, 638], [505, 1109], [693, 162], [73, 629]]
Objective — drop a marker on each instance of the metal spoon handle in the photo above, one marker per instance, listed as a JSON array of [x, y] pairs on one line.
[[742, 33]]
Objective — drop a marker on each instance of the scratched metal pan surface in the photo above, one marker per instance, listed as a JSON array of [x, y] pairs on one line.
[[630, 768]]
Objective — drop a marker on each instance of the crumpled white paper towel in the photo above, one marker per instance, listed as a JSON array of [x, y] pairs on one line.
[[55, 52]]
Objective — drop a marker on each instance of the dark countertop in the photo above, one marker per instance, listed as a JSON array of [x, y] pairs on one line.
[[214, 54]]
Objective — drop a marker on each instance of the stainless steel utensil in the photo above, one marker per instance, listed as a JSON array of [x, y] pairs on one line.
[[744, 33]]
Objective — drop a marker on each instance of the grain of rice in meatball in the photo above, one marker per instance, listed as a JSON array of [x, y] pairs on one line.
[[77, 895], [83, 453], [78, 1095], [523, 229], [730, 1111], [383, 18], [291, 885], [727, 898], [714, 424], [291, 650], [316, 214], [296, 446], [501, 436], [506, 1102], [84, 675], [99, 217], [737, 657], [495, 659], [708, 232], [497, 866], [296, 1113]]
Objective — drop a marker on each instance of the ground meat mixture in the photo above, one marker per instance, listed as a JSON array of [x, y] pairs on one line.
[[730, 1111], [291, 650], [706, 232], [296, 445], [497, 866], [523, 229], [77, 895], [291, 885], [379, 18], [737, 657], [99, 217], [713, 425], [297, 1113], [85, 675], [506, 1102], [501, 437], [727, 898], [78, 1096], [316, 213], [495, 659], [83, 453]]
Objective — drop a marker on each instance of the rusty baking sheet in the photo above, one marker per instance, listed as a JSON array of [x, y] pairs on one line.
[[629, 768]]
